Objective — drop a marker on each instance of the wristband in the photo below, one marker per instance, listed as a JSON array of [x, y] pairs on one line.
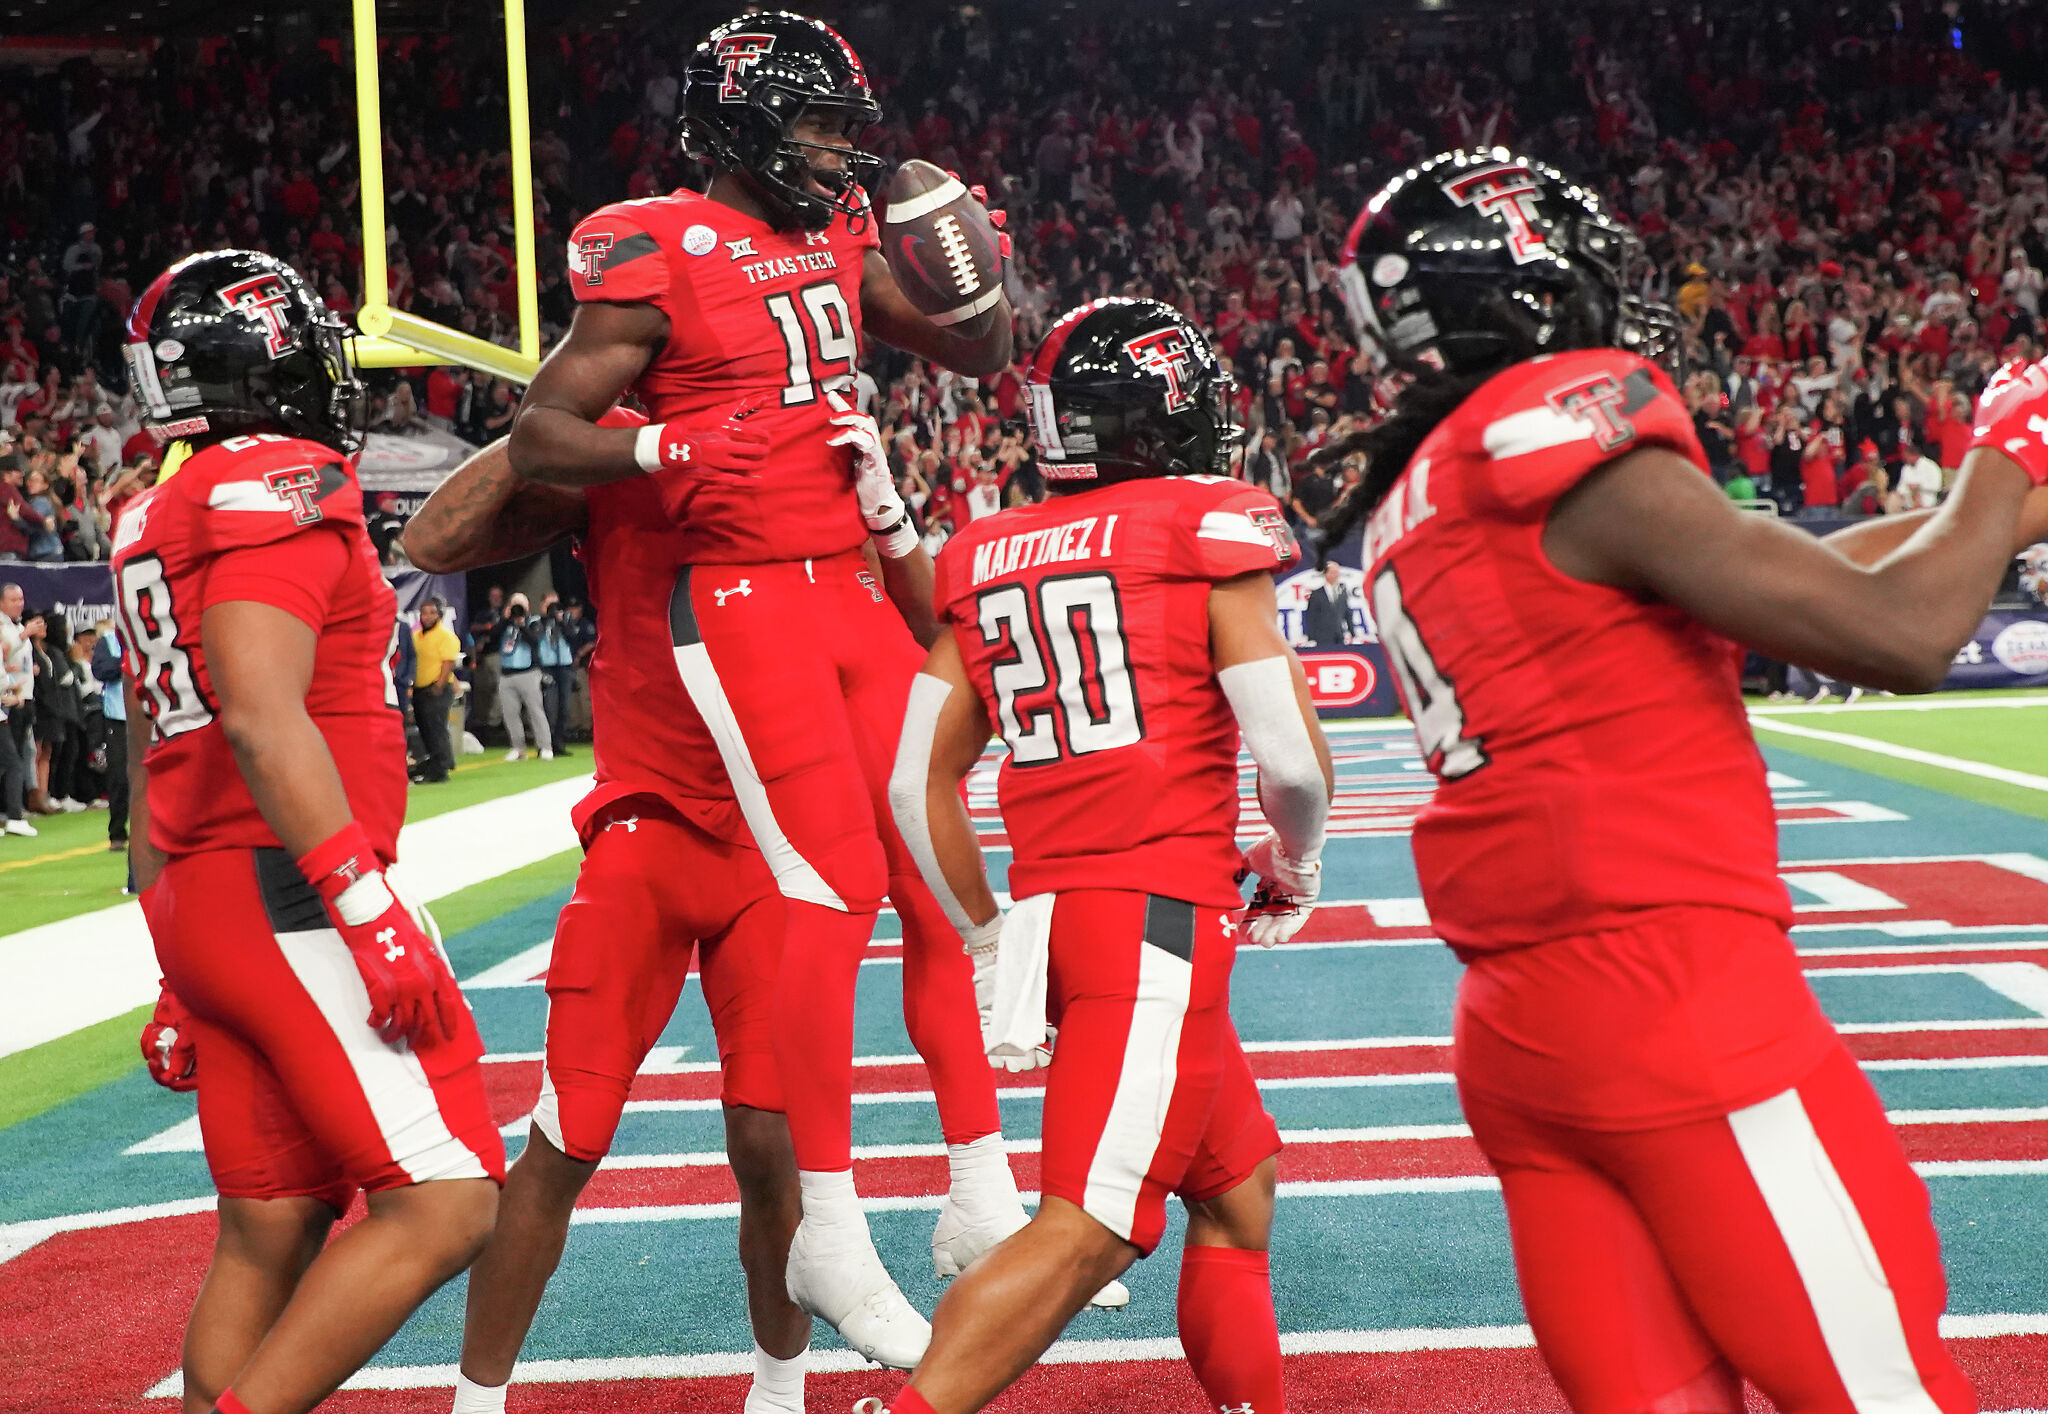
[[344, 870], [898, 540], [647, 446]]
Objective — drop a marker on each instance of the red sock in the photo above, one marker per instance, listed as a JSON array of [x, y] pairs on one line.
[[228, 1404], [938, 1011], [1228, 1329], [821, 951], [909, 1401]]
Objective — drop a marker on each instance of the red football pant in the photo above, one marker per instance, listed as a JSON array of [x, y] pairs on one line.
[[298, 1097], [653, 890], [1790, 1237], [1149, 1092], [801, 671]]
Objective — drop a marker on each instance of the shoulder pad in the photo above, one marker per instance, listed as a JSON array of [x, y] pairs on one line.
[[253, 490], [1234, 528], [1545, 424], [615, 254]]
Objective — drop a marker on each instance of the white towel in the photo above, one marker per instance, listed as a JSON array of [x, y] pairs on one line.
[[1016, 1029]]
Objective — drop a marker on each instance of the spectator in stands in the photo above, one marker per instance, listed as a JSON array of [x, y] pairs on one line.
[[519, 682], [45, 523], [1326, 617], [17, 520], [435, 653], [17, 690], [106, 667], [1920, 481]]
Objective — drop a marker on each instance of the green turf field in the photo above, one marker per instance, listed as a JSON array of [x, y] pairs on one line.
[[67, 868]]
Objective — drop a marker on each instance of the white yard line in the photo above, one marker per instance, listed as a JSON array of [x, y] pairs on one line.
[[2004, 774], [1903, 704], [727, 1364], [78, 971]]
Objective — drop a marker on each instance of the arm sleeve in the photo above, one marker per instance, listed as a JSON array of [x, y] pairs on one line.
[[1240, 531], [613, 257], [1564, 419], [297, 574]]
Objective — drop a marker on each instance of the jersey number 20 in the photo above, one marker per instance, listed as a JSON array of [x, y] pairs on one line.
[[1079, 626], [1432, 697]]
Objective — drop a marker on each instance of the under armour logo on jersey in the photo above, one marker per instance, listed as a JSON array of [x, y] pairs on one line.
[[743, 588], [817, 238], [631, 822], [740, 52], [742, 248], [300, 486], [1597, 400], [1229, 931], [1166, 353], [393, 949], [1507, 190], [263, 296]]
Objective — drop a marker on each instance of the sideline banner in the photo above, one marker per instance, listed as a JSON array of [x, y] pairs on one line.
[[1351, 680], [84, 594], [2008, 650]]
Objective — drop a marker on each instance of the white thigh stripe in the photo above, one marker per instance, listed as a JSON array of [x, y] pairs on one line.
[[794, 874], [1144, 1089], [401, 1098], [1838, 1264]]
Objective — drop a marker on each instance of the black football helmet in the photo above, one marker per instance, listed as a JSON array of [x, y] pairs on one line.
[[1127, 388], [230, 340], [1472, 261], [743, 92]]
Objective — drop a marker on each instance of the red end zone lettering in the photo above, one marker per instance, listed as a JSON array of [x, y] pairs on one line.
[[1338, 679]]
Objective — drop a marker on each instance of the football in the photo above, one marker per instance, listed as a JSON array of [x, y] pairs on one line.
[[941, 246]]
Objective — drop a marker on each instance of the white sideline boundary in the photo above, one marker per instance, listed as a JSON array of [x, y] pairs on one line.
[[2005, 775], [726, 1364], [82, 970]]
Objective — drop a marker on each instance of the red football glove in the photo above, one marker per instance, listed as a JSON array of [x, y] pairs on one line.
[[412, 993], [167, 1043], [2012, 417], [997, 217], [682, 456]]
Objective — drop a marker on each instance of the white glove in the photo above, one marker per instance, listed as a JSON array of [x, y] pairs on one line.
[[1287, 892], [981, 946], [881, 506]]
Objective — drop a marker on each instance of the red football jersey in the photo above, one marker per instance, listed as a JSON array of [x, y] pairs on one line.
[[647, 737], [1591, 745], [1084, 622], [752, 312], [277, 520]]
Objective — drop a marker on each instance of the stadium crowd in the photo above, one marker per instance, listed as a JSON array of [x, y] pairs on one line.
[[1845, 207]]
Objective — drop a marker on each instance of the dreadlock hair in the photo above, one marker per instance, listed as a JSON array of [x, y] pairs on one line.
[[1389, 445]]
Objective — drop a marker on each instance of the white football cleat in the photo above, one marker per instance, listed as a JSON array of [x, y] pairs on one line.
[[961, 1237], [840, 1280]]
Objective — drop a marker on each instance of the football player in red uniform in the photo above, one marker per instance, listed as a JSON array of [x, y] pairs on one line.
[[1120, 636], [330, 1046], [669, 870], [1701, 1185], [735, 318]]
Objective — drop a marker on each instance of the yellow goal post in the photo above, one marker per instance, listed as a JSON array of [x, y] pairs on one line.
[[392, 338]]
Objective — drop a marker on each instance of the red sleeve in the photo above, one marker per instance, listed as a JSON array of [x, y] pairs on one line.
[[623, 417], [268, 493], [1560, 419], [297, 574], [1237, 531], [612, 256]]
